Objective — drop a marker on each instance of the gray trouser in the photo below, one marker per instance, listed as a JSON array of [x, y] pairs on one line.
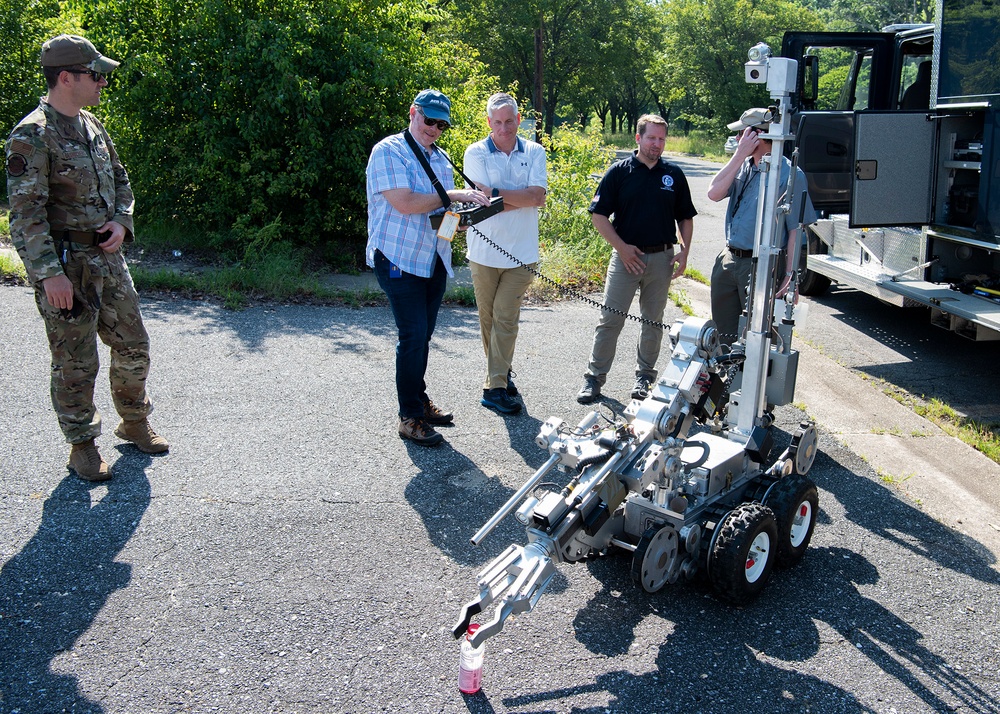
[[730, 287], [619, 289]]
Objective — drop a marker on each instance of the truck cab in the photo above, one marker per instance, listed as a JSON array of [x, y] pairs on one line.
[[894, 129], [889, 70]]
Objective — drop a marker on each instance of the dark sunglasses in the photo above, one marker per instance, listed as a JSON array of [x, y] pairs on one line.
[[94, 74], [440, 123]]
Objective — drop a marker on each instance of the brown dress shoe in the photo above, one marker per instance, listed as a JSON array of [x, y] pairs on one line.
[[419, 432], [142, 435], [86, 461], [433, 414]]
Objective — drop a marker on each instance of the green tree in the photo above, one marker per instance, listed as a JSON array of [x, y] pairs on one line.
[[620, 90], [574, 33], [24, 26], [705, 46], [253, 121], [869, 16]]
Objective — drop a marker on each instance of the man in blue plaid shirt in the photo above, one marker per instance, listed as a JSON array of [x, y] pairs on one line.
[[411, 262]]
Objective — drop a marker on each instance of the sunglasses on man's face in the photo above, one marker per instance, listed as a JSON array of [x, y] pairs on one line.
[[440, 123], [94, 74]]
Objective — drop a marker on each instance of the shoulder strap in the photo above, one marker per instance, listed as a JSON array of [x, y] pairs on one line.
[[446, 202], [455, 166]]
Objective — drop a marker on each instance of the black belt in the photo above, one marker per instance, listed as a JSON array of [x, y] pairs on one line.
[[654, 248], [739, 252], [82, 237]]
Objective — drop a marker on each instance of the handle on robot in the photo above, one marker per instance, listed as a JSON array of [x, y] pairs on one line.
[[796, 247], [512, 502]]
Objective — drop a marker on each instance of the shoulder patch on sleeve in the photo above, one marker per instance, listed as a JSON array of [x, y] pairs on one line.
[[21, 147], [16, 165]]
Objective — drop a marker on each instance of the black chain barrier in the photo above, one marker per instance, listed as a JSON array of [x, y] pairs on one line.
[[566, 290]]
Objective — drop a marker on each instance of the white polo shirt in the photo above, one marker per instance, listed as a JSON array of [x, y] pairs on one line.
[[514, 229]]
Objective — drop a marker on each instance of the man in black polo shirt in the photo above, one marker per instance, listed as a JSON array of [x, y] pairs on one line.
[[651, 203]]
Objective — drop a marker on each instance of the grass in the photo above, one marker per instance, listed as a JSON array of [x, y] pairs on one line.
[[982, 436], [463, 295], [892, 480]]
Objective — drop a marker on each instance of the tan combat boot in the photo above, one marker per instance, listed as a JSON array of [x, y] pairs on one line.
[[142, 435], [87, 462]]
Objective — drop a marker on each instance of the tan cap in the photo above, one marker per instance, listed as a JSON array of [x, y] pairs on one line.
[[68, 50], [756, 118]]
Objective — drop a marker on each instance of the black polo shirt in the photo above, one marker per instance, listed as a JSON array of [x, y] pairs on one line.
[[645, 203]]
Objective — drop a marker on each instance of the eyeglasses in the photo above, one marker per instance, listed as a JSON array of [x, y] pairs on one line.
[[440, 123], [94, 74]]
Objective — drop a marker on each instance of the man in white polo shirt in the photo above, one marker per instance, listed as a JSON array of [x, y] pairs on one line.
[[504, 164]]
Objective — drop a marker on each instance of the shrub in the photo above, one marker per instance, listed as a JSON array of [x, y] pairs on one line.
[[572, 252]]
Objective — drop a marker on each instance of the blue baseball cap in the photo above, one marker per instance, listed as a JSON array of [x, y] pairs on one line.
[[434, 105]]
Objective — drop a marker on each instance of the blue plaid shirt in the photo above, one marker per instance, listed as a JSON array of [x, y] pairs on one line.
[[408, 241]]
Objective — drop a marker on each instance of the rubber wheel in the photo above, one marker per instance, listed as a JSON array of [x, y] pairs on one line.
[[795, 503], [741, 558], [656, 559], [810, 282]]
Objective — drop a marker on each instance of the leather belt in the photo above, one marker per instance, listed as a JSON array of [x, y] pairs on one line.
[[654, 248], [82, 237], [739, 252]]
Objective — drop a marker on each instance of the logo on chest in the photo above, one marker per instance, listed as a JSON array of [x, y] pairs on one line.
[[668, 183]]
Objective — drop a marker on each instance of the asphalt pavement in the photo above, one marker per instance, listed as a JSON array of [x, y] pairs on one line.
[[292, 554]]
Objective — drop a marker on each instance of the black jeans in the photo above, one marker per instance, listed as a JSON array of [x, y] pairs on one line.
[[415, 302]]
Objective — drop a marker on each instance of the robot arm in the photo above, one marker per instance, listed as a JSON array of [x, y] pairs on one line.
[[607, 463]]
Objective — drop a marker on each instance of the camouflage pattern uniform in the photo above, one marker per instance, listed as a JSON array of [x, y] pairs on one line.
[[64, 180]]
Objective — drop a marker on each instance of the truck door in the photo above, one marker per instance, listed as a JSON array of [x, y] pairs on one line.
[[839, 73], [894, 165], [826, 152]]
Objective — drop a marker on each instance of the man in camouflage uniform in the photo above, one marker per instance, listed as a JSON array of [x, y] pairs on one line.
[[71, 210]]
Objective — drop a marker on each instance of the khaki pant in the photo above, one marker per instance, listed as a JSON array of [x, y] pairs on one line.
[[499, 294], [106, 305]]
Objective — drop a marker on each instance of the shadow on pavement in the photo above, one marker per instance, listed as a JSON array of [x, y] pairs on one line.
[[831, 590], [51, 592]]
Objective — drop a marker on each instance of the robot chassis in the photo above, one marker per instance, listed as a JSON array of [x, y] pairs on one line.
[[679, 502]]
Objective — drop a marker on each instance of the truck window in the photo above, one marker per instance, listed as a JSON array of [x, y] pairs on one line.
[[915, 82], [832, 66], [862, 76]]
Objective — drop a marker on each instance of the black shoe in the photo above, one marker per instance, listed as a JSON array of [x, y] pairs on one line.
[[433, 414], [511, 387], [498, 400], [590, 392], [419, 432], [640, 390]]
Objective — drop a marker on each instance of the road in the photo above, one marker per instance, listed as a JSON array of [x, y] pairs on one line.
[[291, 554]]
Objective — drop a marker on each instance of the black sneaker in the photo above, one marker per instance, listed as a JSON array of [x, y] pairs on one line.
[[640, 390], [498, 400], [419, 432], [590, 392], [511, 387]]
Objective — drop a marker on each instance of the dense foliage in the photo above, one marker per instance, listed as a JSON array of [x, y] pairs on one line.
[[246, 123], [241, 116]]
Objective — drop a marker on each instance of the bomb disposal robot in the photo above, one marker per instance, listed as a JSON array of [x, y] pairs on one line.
[[679, 502]]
